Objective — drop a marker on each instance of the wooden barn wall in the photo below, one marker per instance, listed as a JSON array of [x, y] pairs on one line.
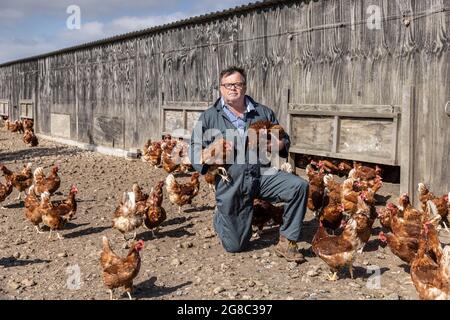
[[5, 83], [292, 51]]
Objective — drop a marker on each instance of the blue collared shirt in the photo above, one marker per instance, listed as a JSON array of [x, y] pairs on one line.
[[238, 122]]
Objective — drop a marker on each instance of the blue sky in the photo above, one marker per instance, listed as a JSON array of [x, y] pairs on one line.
[[31, 27]]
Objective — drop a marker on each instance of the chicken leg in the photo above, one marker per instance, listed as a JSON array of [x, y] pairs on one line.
[[129, 295], [19, 196], [445, 226], [154, 231], [111, 294], [38, 229], [350, 269]]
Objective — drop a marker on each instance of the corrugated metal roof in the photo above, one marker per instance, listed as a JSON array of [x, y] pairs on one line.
[[181, 23]]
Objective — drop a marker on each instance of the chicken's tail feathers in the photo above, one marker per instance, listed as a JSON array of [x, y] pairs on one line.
[[287, 167], [39, 171], [422, 188], [170, 179], [106, 246], [131, 200], [327, 179], [352, 173]]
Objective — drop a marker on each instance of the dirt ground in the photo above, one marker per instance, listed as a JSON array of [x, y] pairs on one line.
[[184, 261]]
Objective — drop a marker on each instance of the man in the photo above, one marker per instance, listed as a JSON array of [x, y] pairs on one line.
[[233, 217]]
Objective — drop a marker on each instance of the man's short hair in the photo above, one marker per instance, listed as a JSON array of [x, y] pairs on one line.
[[230, 70]]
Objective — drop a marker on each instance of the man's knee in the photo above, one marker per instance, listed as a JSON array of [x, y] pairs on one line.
[[298, 185]]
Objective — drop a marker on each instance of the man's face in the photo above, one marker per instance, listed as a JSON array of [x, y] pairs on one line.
[[232, 88]]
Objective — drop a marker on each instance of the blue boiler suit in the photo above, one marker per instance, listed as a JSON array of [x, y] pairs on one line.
[[233, 215]]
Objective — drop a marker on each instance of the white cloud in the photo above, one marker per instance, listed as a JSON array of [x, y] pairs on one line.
[[95, 30], [89, 32]]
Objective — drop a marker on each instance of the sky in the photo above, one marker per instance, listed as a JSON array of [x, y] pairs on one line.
[[32, 27]]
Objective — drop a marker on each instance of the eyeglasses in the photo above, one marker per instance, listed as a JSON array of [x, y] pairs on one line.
[[237, 85]]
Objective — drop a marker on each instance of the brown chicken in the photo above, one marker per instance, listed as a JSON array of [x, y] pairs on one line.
[[333, 188], [333, 211], [16, 126], [263, 212], [364, 173], [328, 166], [404, 228], [6, 123], [264, 129], [434, 205], [385, 214], [174, 157], [182, 149], [32, 210], [21, 181], [120, 272], [409, 212], [28, 124], [170, 159], [215, 156], [67, 207], [427, 275], [126, 216], [434, 247], [365, 216], [155, 214], [349, 197], [332, 216], [46, 184], [316, 191], [5, 191], [152, 153], [336, 251], [29, 138], [403, 247], [51, 216], [139, 195], [182, 194], [344, 167]]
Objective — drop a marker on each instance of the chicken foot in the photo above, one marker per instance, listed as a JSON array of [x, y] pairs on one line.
[[333, 276], [38, 229], [224, 174], [57, 235], [111, 294]]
